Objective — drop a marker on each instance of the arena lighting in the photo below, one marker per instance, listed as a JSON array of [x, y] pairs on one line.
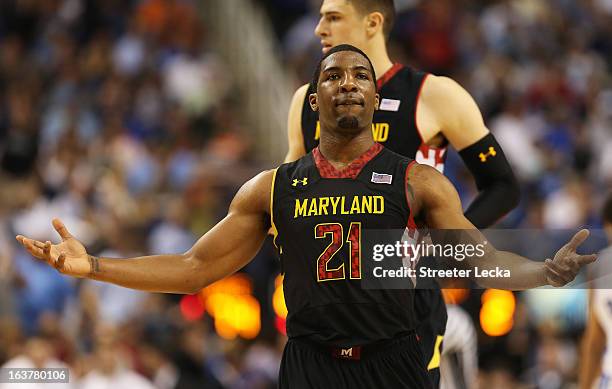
[[191, 307], [232, 306], [278, 298], [278, 304], [280, 324], [497, 312], [455, 295]]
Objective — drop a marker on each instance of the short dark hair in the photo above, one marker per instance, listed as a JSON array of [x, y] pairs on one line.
[[344, 47], [606, 213], [385, 7]]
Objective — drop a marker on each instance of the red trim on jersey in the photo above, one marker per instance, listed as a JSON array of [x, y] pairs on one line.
[[416, 107], [327, 170], [388, 75], [411, 224]]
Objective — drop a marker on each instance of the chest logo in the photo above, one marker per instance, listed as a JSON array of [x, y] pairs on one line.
[[491, 153], [389, 105], [303, 181], [381, 178]]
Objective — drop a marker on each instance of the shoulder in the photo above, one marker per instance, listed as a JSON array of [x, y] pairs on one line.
[[453, 110], [297, 102], [429, 185], [442, 88], [300, 95], [254, 194], [424, 174], [299, 167]]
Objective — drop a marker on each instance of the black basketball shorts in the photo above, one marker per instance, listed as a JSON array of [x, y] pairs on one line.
[[393, 364]]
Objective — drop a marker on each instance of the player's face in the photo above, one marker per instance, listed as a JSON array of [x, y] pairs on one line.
[[340, 23], [346, 93]]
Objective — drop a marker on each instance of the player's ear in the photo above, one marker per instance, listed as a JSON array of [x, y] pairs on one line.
[[376, 101], [312, 100], [374, 23]]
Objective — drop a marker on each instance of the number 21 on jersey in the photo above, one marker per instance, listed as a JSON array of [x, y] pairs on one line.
[[336, 233]]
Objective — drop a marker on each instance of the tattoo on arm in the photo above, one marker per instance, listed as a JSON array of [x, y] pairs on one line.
[[409, 189], [410, 192], [94, 264]]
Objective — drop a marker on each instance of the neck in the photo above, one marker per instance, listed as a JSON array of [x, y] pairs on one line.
[[342, 149], [377, 52]]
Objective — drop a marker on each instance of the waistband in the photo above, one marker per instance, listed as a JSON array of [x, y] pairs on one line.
[[359, 352]]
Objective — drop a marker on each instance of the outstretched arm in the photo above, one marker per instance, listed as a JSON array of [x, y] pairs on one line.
[[460, 121], [435, 202], [223, 250]]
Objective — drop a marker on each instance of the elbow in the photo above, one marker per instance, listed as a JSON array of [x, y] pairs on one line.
[[194, 280], [506, 191], [513, 192]]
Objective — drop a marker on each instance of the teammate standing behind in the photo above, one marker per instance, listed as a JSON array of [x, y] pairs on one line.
[[596, 359], [419, 115]]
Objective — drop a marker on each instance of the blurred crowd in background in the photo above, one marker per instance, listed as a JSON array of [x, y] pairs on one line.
[[118, 117]]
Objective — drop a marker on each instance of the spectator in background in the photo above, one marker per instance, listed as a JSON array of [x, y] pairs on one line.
[[37, 354], [110, 366]]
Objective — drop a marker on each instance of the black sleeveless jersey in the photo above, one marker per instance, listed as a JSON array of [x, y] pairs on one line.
[[394, 123], [319, 216]]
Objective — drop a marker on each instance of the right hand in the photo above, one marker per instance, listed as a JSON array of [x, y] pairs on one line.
[[566, 264], [68, 257]]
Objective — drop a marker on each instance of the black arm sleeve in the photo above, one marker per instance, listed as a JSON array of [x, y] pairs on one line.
[[498, 188]]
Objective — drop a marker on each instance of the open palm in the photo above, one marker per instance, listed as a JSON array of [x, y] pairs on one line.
[[68, 257]]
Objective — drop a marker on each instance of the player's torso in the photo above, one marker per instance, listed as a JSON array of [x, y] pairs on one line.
[[394, 123], [321, 222]]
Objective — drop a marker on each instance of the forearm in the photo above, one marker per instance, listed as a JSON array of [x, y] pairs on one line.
[[493, 202], [174, 273], [498, 189], [524, 273]]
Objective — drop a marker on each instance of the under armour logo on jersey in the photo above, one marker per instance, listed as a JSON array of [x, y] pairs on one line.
[[380, 178], [304, 181], [491, 152]]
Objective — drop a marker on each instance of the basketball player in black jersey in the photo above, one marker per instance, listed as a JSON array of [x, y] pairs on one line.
[[418, 116], [340, 334]]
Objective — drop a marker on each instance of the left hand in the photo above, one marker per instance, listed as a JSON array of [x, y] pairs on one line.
[[566, 264], [68, 257]]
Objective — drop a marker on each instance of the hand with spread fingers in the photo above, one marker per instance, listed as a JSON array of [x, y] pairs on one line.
[[68, 257], [566, 264]]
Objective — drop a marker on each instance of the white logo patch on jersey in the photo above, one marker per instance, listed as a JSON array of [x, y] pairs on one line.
[[389, 105], [381, 178]]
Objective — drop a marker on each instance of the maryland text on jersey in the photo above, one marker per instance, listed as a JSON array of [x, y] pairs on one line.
[[339, 205]]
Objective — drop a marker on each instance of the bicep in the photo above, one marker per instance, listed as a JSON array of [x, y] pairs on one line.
[[440, 203], [294, 126], [461, 121], [439, 207], [229, 246], [236, 239]]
